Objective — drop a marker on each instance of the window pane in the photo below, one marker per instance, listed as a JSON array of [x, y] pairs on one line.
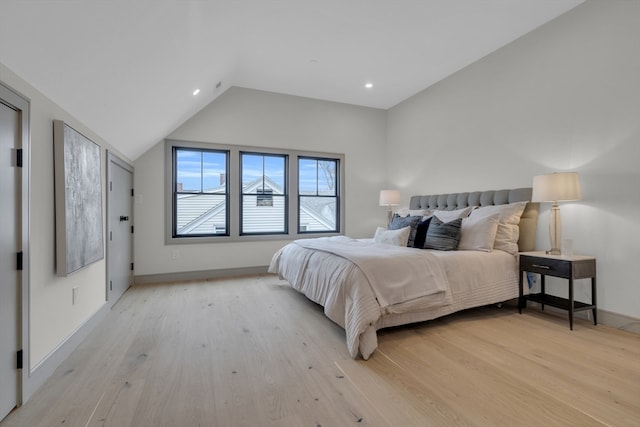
[[200, 171], [188, 171], [214, 167], [262, 215], [252, 173], [327, 177], [307, 176], [318, 214], [263, 172], [274, 170], [264, 194], [198, 214]]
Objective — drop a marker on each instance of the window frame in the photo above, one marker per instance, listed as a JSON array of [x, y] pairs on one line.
[[234, 192], [335, 195], [175, 193], [284, 195]]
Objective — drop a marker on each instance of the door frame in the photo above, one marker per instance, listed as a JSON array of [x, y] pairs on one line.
[[114, 159], [22, 105]]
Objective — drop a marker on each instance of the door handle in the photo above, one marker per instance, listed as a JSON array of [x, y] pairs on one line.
[[124, 218]]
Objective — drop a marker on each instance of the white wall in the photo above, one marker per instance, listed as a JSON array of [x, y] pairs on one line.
[[263, 119], [52, 317], [564, 97]]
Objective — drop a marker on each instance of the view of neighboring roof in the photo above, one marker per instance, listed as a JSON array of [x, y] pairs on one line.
[[205, 213]]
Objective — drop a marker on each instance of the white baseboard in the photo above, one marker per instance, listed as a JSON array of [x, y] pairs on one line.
[[199, 275]]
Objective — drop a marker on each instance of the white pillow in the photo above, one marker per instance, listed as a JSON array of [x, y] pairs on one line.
[[398, 237], [403, 212], [508, 230], [478, 233], [448, 216]]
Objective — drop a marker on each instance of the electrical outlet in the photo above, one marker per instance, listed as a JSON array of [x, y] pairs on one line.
[[74, 295]]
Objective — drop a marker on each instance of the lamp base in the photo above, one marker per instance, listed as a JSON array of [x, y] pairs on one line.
[[555, 230]]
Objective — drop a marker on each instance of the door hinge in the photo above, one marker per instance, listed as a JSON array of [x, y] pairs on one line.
[[110, 235], [19, 261], [19, 157], [131, 266], [110, 285], [132, 229], [19, 360], [110, 185], [132, 192]]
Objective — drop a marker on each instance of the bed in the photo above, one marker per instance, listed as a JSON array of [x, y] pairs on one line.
[[367, 284]]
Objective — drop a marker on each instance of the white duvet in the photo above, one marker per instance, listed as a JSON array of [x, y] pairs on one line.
[[364, 286], [395, 274]]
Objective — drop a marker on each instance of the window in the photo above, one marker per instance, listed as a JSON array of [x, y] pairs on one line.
[[318, 195], [264, 193], [228, 193], [200, 196], [265, 197]]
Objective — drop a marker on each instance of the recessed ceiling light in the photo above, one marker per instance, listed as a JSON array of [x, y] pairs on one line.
[[195, 92], [368, 85]]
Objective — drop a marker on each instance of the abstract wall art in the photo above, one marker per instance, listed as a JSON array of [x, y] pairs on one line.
[[78, 199]]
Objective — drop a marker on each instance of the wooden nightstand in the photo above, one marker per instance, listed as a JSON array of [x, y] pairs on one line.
[[566, 267]]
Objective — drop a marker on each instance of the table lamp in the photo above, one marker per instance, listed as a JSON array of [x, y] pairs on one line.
[[389, 198], [556, 187]]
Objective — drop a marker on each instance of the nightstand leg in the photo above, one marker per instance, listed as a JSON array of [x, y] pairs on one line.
[[593, 301], [542, 289], [571, 303], [521, 301]]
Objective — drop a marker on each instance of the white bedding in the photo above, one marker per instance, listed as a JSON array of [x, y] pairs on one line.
[[471, 279], [396, 274]]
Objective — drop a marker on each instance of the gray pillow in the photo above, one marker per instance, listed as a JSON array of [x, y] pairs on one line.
[[443, 236], [398, 222]]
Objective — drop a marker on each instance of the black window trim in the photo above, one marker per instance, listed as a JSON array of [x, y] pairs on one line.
[[336, 195], [285, 194], [175, 193], [234, 188]]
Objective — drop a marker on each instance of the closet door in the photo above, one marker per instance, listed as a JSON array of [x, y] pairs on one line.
[[9, 244]]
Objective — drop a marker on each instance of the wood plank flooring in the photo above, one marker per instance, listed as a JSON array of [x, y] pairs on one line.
[[253, 352]]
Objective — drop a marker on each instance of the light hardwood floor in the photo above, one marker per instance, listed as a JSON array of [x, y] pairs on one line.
[[253, 352]]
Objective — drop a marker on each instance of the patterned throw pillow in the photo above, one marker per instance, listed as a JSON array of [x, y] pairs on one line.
[[398, 222], [443, 236]]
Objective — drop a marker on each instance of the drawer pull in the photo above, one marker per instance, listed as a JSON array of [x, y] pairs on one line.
[[546, 267]]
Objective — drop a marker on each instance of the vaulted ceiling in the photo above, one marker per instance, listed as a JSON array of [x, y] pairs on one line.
[[128, 69]]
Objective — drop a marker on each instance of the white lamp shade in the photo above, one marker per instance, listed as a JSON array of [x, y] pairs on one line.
[[556, 187], [389, 197]]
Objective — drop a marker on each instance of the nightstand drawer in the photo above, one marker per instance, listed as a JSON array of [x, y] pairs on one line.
[[584, 269], [551, 267]]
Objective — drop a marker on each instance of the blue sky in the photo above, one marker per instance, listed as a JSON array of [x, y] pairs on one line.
[[198, 170]]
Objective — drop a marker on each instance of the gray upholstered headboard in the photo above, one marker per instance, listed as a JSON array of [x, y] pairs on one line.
[[528, 220]]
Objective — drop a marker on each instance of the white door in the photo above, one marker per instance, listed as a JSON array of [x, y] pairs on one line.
[[9, 174], [120, 226]]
